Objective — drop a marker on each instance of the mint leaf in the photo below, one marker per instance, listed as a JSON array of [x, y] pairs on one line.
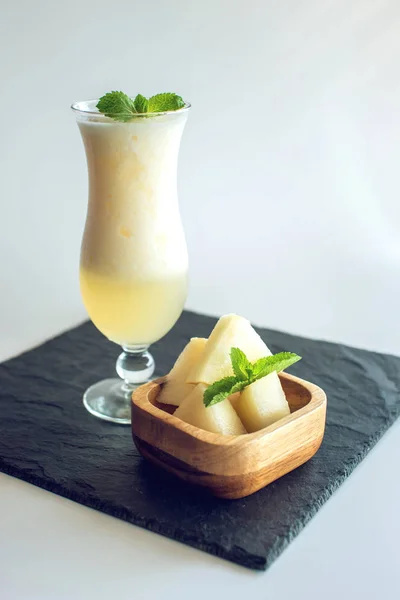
[[246, 373], [141, 104], [219, 390], [120, 107], [165, 102], [240, 364], [117, 106], [277, 362], [240, 385]]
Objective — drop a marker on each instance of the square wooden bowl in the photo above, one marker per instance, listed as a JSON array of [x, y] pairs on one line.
[[230, 466]]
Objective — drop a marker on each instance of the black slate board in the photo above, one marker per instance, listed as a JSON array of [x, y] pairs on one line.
[[48, 439]]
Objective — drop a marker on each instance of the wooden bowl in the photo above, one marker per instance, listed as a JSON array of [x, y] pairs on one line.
[[230, 466]]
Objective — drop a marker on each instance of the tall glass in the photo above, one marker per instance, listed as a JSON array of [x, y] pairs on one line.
[[133, 267]]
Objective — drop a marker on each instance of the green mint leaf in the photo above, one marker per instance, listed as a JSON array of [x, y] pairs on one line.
[[247, 373], [219, 390], [240, 364], [269, 364], [141, 104], [117, 106], [120, 107], [165, 102], [240, 385]]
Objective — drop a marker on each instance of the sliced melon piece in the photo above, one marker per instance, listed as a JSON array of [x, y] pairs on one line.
[[176, 389], [219, 418], [234, 399], [215, 363], [262, 403]]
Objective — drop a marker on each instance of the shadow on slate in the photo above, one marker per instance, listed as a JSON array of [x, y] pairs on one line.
[[48, 439]]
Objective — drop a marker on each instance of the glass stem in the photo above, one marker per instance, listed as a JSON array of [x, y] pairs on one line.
[[135, 365]]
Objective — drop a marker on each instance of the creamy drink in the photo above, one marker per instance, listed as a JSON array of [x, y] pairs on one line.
[[133, 269], [134, 260]]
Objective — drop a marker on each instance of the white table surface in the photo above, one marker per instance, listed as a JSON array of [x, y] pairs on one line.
[[54, 549]]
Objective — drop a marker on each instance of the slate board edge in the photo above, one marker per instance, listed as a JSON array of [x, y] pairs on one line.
[[208, 316], [239, 556], [328, 491], [244, 558]]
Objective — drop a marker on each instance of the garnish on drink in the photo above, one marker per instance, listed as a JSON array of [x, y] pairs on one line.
[[121, 107]]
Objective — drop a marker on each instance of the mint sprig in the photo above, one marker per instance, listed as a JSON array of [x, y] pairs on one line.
[[117, 105], [219, 390], [120, 107], [242, 367], [141, 104], [165, 102], [246, 373]]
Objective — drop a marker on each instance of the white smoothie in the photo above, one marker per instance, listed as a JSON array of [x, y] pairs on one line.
[[134, 259]]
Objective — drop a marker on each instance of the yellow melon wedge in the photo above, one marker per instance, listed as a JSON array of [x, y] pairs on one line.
[[176, 389], [219, 418], [215, 363], [262, 403], [234, 399]]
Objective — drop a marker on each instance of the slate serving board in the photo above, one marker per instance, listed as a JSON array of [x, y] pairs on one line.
[[48, 439]]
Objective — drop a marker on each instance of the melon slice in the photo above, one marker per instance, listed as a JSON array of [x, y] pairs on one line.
[[219, 418], [215, 363], [262, 403], [234, 399], [176, 389]]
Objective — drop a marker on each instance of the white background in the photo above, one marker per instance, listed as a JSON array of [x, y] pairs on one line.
[[290, 199], [289, 163]]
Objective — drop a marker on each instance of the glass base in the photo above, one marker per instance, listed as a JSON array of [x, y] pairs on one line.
[[110, 400]]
